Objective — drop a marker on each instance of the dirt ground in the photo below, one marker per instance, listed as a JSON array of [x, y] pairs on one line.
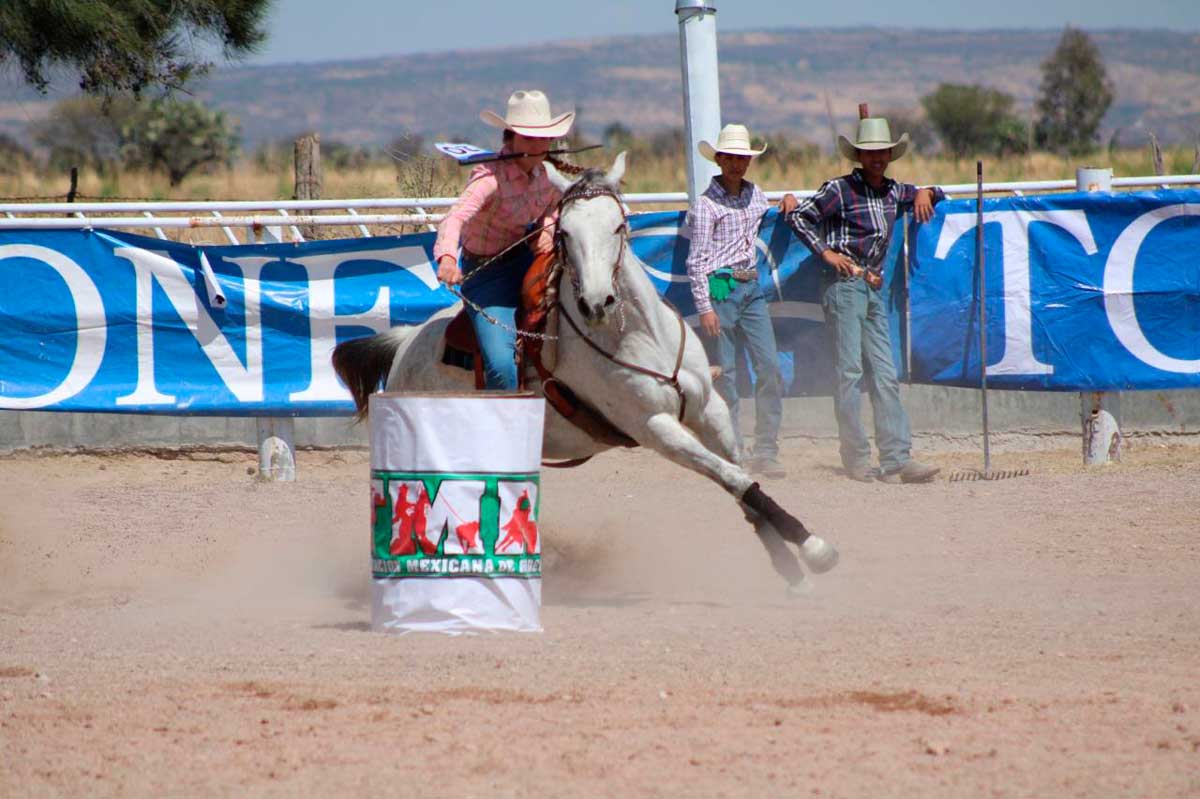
[[172, 627]]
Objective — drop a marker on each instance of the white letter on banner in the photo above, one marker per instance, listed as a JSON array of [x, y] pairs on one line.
[[324, 322], [90, 324], [1018, 357], [245, 382], [1118, 289]]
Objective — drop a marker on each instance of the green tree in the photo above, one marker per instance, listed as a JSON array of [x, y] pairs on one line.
[[84, 132], [974, 119], [1075, 95], [918, 127], [125, 45], [178, 137]]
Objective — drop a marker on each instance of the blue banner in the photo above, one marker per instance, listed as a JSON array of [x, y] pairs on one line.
[[108, 321], [1083, 292]]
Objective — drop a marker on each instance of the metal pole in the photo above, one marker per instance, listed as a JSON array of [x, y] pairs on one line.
[[276, 446], [987, 453], [1099, 411], [701, 88]]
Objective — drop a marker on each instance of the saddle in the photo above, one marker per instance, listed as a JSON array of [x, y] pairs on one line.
[[462, 347], [539, 293]]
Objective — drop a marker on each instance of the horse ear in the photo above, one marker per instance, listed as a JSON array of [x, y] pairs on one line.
[[557, 179], [617, 172]]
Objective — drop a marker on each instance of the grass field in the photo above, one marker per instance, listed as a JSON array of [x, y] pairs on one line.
[[425, 177]]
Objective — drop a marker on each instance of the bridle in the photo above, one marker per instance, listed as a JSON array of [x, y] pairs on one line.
[[587, 190]]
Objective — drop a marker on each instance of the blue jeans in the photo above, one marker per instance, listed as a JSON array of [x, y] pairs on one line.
[[857, 319], [497, 289], [744, 316]]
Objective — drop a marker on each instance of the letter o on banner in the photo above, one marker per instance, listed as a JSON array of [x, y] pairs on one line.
[[89, 349], [1118, 289]]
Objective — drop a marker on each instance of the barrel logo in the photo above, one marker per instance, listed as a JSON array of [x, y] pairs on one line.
[[454, 525]]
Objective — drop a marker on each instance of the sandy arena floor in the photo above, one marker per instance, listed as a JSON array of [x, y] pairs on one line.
[[175, 628]]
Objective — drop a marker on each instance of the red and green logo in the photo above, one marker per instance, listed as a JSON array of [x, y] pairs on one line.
[[454, 525]]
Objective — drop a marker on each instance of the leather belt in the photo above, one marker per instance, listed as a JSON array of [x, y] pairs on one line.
[[744, 275]]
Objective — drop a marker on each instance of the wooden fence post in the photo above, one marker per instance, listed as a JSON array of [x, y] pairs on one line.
[[308, 173], [276, 435]]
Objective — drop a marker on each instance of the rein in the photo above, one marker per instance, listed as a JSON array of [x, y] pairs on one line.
[[671, 379]]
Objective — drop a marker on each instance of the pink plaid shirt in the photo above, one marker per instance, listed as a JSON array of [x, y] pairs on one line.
[[723, 230], [499, 202]]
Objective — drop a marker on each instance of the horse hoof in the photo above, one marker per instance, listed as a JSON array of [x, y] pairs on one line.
[[819, 555]]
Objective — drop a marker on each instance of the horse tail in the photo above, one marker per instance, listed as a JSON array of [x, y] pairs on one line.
[[363, 364]]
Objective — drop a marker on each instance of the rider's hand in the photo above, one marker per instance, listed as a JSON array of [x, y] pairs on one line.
[[448, 271], [844, 264], [788, 204], [923, 205], [710, 324]]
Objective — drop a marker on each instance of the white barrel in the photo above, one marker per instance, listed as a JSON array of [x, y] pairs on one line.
[[455, 491]]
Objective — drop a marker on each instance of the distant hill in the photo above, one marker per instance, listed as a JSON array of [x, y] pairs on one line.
[[775, 80]]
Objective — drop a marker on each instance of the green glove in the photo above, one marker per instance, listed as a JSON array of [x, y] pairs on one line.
[[720, 285]]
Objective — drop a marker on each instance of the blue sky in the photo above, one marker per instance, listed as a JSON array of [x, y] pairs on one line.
[[320, 30]]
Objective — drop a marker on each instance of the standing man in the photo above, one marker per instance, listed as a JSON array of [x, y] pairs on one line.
[[721, 263], [848, 223]]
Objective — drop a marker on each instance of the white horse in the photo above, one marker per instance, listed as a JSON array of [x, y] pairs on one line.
[[622, 351]]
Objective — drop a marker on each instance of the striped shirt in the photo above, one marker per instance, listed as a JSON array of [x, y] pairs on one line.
[[498, 204], [724, 230], [849, 216]]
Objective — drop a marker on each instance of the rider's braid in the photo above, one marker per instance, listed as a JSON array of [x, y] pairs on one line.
[[562, 166], [565, 167]]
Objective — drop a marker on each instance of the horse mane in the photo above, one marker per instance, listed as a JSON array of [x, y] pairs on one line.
[[592, 183]]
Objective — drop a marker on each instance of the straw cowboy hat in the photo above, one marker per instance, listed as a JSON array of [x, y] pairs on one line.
[[873, 134], [529, 114], [734, 140]]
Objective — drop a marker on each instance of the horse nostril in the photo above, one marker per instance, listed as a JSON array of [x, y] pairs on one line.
[[583, 309], [609, 300]]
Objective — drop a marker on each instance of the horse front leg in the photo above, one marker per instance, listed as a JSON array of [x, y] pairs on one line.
[[714, 425], [672, 440]]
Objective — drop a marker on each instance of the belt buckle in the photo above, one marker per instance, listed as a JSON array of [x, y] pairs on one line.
[[744, 275]]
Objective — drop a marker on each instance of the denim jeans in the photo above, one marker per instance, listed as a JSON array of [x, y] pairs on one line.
[[744, 316], [497, 289], [857, 319]]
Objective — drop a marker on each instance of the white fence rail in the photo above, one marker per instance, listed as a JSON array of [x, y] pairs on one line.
[[233, 215]]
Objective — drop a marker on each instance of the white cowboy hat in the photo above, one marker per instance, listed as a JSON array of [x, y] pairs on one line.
[[529, 114], [873, 134], [734, 140]]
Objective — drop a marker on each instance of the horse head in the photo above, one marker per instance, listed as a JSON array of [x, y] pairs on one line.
[[592, 236]]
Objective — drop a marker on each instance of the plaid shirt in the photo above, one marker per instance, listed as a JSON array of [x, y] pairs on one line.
[[500, 201], [848, 216], [724, 229]]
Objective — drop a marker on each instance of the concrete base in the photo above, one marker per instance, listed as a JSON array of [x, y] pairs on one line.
[[951, 414]]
